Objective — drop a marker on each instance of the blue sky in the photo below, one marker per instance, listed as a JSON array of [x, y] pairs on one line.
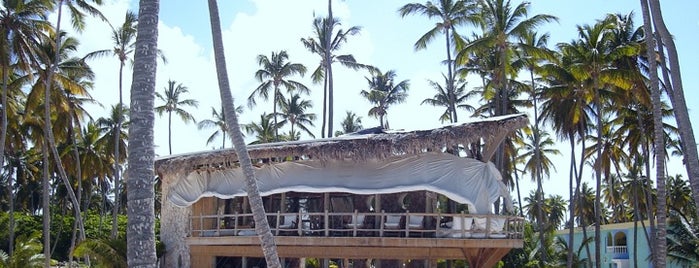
[[261, 26]]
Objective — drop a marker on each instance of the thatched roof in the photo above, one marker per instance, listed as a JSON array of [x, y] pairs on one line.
[[489, 131]]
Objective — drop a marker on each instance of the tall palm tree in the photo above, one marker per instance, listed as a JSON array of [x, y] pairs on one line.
[[275, 73], [269, 247], [593, 56], [384, 92], [172, 96], [567, 111], [451, 14], [140, 230], [66, 75], [294, 113], [677, 94], [449, 98], [76, 7], [20, 23], [351, 123], [124, 38], [218, 121], [326, 45], [502, 26]]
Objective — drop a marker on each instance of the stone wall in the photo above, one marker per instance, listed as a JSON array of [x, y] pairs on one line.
[[174, 226]]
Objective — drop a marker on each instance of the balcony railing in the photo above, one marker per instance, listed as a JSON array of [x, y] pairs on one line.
[[363, 224], [617, 249]]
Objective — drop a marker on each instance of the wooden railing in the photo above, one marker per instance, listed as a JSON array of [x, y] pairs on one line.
[[363, 224]]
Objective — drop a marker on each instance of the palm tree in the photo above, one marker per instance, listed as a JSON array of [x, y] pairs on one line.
[[269, 247], [546, 148], [450, 14], [324, 44], [219, 122], [450, 99], [77, 18], [124, 38], [69, 74], [172, 96], [677, 93], [592, 58], [26, 253], [679, 197], [263, 131], [351, 123], [384, 92], [140, 231], [113, 128], [651, 10], [682, 237], [104, 252], [502, 24], [20, 23], [294, 113], [274, 73]]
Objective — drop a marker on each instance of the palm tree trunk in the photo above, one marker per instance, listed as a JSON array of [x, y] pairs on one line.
[[679, 104], [325, 105], [450, 82], [578, 179], [571, 204], [117, 169], [274, 113], [598, 176], [269, 247], [79, 175], [140, 232], [169, 131], [117, 181], [45, 208], [659, 137], [329, 71], [3, 136], [48, 132]]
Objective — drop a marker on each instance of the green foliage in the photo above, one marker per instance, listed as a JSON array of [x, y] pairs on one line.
[[103, 252], [61, 229], [27, 253]]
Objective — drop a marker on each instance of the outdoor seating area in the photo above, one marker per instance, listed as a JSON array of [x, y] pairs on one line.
[[363, 224]]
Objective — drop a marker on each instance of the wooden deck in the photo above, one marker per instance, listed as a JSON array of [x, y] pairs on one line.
[[480, 240]]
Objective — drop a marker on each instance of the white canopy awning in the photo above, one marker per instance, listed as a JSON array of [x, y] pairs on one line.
[[463, 180]]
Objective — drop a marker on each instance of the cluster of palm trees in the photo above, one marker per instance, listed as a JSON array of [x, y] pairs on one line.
[[599, 92]]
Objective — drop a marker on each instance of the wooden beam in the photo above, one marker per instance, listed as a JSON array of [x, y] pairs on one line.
[[482, 256]]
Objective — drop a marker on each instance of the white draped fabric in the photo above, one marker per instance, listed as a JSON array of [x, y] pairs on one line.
[[463, 180]]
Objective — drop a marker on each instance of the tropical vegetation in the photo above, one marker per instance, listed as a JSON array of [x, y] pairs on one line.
[[600, 92]]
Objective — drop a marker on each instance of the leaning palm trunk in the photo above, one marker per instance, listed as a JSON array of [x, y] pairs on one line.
[[679, 104], [3, 135], [140, 232], [48, 132], [658, 137], [45, 209], [269, 247], [571, 203]]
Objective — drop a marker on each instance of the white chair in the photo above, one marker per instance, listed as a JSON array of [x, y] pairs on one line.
[[392, 222], [497, 228], [289, 223], [415, 222], [357, 222], [461, 227]]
